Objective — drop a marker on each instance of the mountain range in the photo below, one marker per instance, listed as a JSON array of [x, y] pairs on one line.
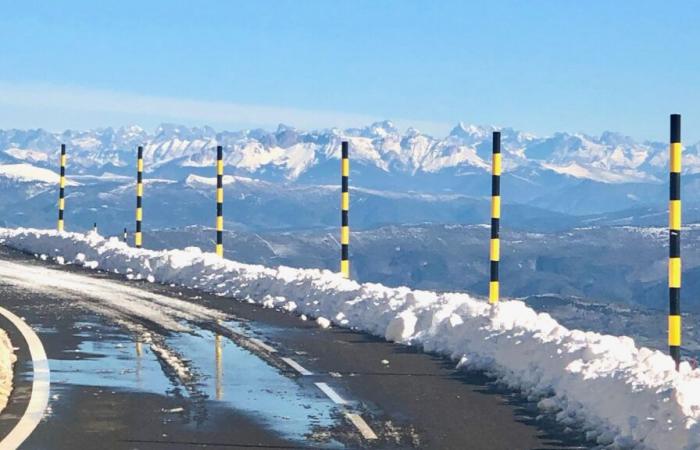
[[405, 176], [293, 155]]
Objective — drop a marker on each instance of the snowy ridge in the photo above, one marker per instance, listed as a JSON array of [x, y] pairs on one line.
[[196, 181], [30, 173], [623, 395]]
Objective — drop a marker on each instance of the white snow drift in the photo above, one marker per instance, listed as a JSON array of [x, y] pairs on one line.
[[7, 358], [621, 394]]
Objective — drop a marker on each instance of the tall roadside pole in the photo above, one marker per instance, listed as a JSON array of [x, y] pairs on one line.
[[61, 188], [344, 209], [220, 201], [495, 247], [139, 195], [674, 260]]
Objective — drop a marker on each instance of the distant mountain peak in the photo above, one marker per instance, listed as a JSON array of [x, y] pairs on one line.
[[470, 131], [615, 138], [412, 132], [281, 128], [382, 128]]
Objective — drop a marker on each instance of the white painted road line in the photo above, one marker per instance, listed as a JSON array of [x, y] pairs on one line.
[[263, 345], [362, 426], [296, 366], [331, 393], [40, 385]]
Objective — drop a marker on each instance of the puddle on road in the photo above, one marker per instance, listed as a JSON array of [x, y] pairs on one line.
[[226, 374], [111, 363], [233, 375]]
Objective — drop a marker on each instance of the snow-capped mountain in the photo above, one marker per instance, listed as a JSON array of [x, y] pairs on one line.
[[288, 178], [378, 150]]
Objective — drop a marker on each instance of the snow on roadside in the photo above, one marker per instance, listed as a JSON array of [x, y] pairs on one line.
[[111, 299], [7, 358], [621, 394]]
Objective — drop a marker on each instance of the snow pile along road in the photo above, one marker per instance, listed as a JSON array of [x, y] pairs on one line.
[[622, 395], [7, 358], [127, 305]]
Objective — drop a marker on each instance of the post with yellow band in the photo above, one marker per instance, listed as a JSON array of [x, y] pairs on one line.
[[344, 208], [495, 248], [220, 201], [674, 260], [61, 188], [139, 195]]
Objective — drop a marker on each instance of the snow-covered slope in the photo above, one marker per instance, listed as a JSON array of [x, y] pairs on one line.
[[623, 395], [29, 173]]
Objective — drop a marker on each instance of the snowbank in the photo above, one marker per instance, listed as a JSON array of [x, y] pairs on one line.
[[621, 394], [7, 358]]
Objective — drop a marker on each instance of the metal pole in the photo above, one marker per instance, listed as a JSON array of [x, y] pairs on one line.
[[495, 247], [61, 188], [344, 207], [139, 195], [220, 201], [674, 260]]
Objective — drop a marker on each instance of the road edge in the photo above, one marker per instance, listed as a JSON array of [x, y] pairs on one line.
[[41, 383]]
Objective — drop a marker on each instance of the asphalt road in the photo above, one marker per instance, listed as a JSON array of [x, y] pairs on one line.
[[130, 370]]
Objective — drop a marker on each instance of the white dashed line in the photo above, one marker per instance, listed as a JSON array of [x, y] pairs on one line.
[[296, 366], [361, 425], [262, 345], [357, 420], [331, 393]]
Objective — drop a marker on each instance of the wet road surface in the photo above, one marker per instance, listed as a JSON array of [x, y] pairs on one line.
[[137, 365]]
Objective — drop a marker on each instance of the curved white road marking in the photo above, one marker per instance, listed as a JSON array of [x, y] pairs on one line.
[[40, 385]]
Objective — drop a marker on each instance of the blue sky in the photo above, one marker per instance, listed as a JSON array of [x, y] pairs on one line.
[[539, 66]]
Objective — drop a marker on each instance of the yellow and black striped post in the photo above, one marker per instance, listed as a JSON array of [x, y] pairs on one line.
[[344, 209], [139, 196], [220, 201], [674, 260], [495, 248], [61, 188]]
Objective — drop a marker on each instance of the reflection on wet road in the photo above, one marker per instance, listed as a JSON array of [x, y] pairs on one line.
[[111, 361], [220, 370], [125, 341], [249, 384]]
